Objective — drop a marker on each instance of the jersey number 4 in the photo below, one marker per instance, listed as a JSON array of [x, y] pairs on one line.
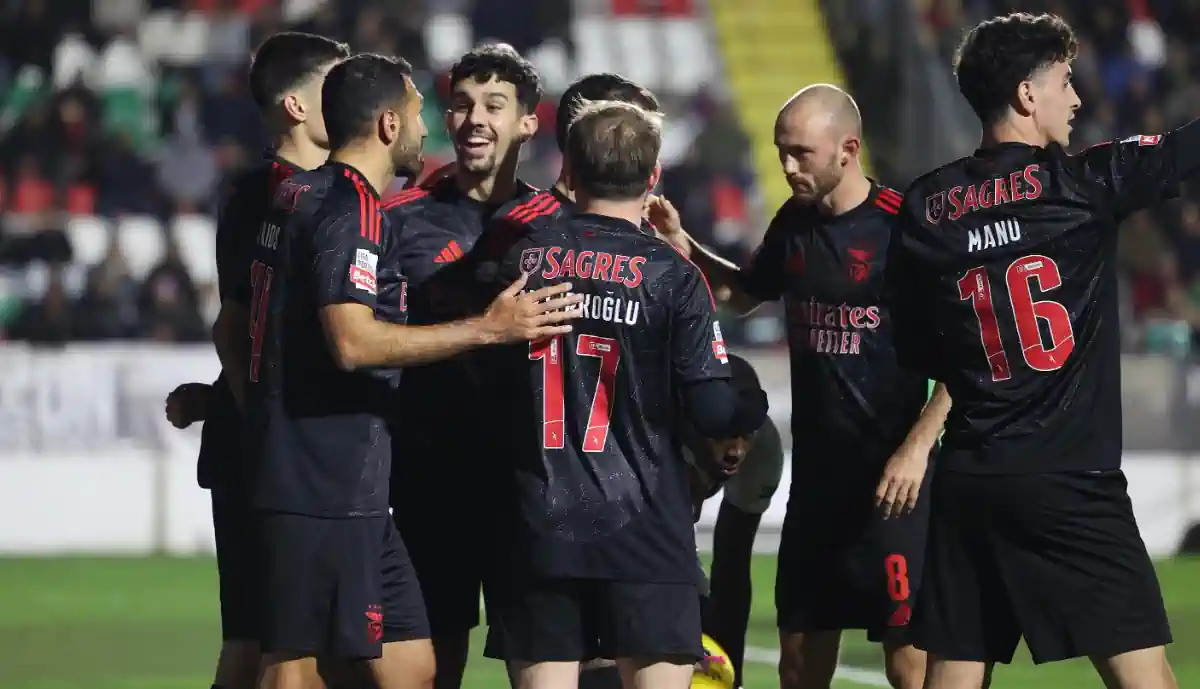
[[1019, 279], [260, 282], [554, 412]]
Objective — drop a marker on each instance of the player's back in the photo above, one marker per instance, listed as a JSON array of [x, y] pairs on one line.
[[1005, 273], [316, 429], [248, 199], [594, 413]]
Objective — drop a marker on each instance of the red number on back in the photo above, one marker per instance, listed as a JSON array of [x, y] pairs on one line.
[[260, 283], [897, 574], [549, 352], [1019, 278]]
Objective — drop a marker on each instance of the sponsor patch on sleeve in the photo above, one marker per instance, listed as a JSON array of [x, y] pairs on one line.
[[718, 344], [1143, 139], [362, 272]]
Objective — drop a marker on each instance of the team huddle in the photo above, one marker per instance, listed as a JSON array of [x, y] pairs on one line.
[[475, 385]]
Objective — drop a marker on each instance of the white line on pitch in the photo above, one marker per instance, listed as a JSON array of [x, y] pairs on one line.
[[857, 675]]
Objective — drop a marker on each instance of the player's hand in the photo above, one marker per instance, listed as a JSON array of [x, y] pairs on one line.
[[900, 486], [515, 315], [665, 218], [188, 404]]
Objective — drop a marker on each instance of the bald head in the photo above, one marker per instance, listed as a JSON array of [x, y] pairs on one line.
[[824, 103], [818, 133]]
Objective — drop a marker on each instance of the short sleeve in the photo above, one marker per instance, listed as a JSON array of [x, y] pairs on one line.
[[697, 346], [1136, 172], [903, 296], [346, 259], [764, 276]]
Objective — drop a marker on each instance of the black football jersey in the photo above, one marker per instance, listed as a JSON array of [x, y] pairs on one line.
[[242, 213], [594, 424], [316, 431], [436, 228], [852, 403], [1004, 285]]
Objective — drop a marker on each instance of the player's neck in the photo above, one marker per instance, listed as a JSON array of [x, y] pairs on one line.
[[487, 187], [300, 151], [1008, 131], [849, 194], [562, 188], [375, 167], [630, 210]]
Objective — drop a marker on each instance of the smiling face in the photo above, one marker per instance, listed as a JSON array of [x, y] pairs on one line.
[[486, 123]]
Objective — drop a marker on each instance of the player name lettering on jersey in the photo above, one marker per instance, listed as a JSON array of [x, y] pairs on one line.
[[993, 235], [611, 309], [834, 328], [591, 265], [1019, 185], [268, 236]]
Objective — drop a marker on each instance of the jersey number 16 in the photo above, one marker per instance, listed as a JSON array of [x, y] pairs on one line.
[[1021, 273], [554, 412]]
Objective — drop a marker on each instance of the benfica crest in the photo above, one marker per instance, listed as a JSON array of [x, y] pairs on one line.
[[935, 205]]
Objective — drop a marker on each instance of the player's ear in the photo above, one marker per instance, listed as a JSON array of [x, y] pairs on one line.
[[449, 121], [1024, 100], [850, 149], [294, 107], [568, 174], [655, 176], [389, 126], [527, 127]]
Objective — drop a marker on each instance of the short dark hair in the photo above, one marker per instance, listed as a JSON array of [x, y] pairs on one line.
[[503, 63], [288, 59], [596, 87], [357, 90], [998, 54], [612, 148]]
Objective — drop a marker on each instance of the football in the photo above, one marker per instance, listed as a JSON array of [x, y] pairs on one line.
[[716, 670]]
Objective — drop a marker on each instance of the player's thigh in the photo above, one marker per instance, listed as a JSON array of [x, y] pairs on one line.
[[299, 583], [1082, 581], [893, 565], [238, 572], [964, 611], [544, 621], [404, 615], [646, 623], [808, 659], [663, 674], [405, 665]]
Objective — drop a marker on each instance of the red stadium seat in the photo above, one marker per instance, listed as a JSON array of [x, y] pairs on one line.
[[629, 8], [677, 8], [81, 199]]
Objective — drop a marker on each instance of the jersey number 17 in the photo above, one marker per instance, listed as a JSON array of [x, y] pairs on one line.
[[1019, 278], [260, 283], [554, 411]]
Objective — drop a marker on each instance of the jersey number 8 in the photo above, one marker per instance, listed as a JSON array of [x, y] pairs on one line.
[[1019, 279]]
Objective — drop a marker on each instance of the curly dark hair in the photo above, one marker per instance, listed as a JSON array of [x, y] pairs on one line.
[[503, 63], [606, 86], [998, 54]]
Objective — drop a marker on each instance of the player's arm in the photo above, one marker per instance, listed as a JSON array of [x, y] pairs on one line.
[[743, 289], [344, 273], [231, 338], [714, 406], [231, 329], [1140, 171]]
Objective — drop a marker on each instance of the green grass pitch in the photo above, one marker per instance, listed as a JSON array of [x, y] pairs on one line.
[[151, 623]]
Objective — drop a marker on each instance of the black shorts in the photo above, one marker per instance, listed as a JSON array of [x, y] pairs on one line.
[[1056, 558], [455, 556], [237, 565], [549, 620], [842, 566], [340, 587]]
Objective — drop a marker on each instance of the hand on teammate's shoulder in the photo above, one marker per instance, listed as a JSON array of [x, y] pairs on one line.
[[664, 217], [517, 315]]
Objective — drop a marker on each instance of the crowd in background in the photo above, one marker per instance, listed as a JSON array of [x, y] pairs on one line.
[[115, 109], [95, 122]]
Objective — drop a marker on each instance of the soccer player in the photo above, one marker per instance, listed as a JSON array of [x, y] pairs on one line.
[[336, 576], [746, 494], [854, 535], [603, 554], [1005, 289], [285, 80], [493, 95]]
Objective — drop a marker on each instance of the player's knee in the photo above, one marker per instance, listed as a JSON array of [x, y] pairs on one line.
[[905, 667], [237, 666]]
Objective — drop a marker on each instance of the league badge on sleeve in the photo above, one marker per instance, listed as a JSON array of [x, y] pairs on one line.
[[1143, 139], [718, 344], [362, 272]]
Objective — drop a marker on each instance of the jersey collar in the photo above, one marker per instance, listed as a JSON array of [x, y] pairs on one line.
[[355, 175], [609, 222]]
